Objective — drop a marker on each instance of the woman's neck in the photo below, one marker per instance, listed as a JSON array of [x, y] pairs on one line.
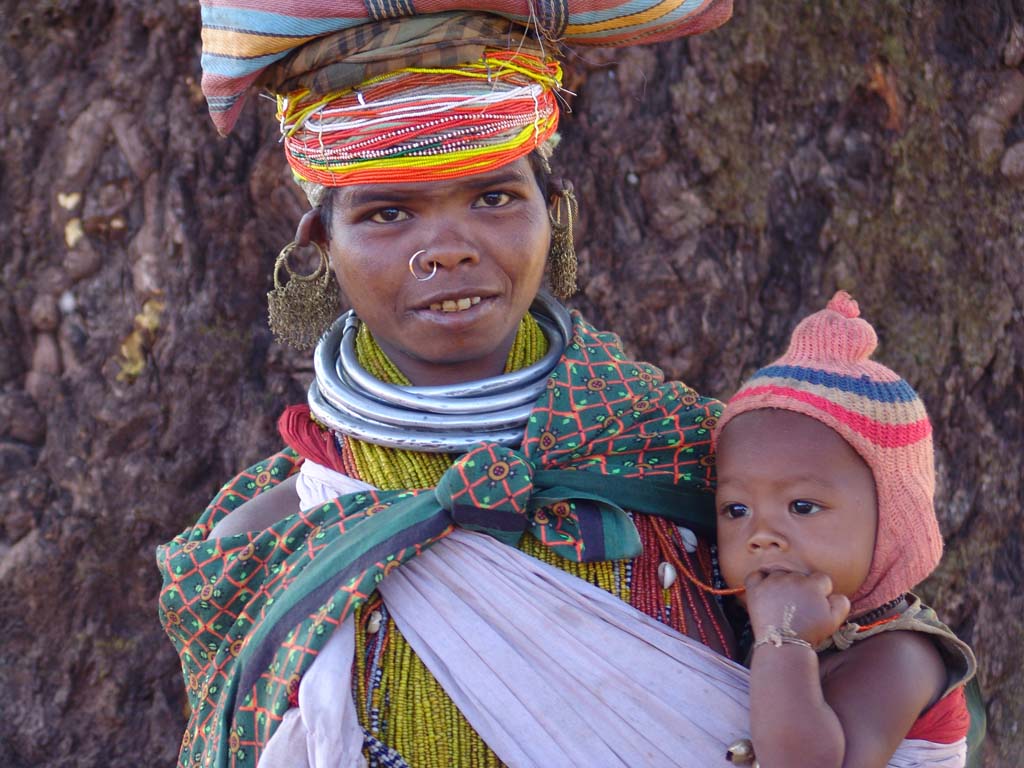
[[524, 347], [425, 373]]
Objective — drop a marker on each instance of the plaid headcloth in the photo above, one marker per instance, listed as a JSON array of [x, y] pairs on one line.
[[371, 91], [243, 39], [827, 374]]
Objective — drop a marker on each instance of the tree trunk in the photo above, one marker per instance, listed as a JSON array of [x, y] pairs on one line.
[[728, 184]]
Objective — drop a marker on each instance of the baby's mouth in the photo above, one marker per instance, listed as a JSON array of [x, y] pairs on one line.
[[455, 305], [768, 570]]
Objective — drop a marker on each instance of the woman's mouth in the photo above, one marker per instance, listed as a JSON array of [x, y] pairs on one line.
[[455, 305]]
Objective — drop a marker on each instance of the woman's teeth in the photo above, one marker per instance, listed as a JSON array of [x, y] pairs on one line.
[[455, 305]]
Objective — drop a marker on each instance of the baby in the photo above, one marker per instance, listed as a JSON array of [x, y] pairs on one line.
[[826, 518]]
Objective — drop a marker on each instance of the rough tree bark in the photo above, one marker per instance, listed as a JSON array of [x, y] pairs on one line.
[[729, 184]]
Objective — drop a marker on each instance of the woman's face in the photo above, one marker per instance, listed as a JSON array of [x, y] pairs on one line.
[[488, 236]]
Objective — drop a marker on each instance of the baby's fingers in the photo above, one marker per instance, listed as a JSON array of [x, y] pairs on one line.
[[754, 578], [822, 583], [839, 606]]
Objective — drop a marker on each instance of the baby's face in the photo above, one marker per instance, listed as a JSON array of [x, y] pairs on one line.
[[793, 496]]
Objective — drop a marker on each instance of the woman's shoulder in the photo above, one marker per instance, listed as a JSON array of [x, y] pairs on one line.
[[260, 512], [592, 345], [254, 488]]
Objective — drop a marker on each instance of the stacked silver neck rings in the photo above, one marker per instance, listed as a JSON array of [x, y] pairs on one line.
[[441, 419]]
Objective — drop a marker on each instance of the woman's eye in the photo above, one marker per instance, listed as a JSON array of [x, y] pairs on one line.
[[733, 511], [493, 199], [388, 215], [801, 507]]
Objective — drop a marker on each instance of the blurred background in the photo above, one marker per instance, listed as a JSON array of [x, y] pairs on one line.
[[728, 185]]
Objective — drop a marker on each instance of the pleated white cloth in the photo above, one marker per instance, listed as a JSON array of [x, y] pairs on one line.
[[549, 670], [917, 753]]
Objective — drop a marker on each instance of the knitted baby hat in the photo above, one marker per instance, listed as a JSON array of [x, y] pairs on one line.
[[826, 374]]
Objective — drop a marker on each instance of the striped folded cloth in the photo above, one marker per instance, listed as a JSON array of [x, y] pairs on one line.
[[243, 38]]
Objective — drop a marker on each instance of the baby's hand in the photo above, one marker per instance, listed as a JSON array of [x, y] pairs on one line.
[[794, 604]]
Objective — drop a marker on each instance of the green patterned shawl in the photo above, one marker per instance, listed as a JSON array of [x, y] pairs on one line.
[[249, 613]]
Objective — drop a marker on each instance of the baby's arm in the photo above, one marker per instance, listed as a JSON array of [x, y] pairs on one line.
[[869, 698], [878, 688], [791, 724]]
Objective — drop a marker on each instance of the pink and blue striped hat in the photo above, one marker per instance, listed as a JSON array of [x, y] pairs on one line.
[[827, 374]]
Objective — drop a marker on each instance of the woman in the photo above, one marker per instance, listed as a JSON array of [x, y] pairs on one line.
[[462, 425]]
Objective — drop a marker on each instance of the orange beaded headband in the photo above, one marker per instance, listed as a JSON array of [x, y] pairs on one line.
[[420, 124]]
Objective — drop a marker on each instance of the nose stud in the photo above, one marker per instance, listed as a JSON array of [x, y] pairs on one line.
[[412, 266]]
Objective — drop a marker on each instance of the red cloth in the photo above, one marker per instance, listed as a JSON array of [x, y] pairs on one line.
[[309, 439], [947, 721]]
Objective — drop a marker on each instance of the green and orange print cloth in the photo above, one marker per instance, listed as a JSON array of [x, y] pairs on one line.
[[249, 613]]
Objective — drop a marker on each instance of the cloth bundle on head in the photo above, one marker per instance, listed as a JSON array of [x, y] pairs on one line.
[[372, 92], [827, 374]]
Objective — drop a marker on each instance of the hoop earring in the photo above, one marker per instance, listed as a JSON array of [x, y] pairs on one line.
[[412, 267], [562, 254], [301, 310]]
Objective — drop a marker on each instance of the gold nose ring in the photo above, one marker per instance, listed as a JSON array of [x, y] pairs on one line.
[[412, 266]]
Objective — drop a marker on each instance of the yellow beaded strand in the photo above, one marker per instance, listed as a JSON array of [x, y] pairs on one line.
[[393, 468], [417, 717], [600, 574]]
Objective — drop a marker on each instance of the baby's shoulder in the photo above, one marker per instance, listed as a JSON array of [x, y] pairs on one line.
[[899, 647], [899, 659]]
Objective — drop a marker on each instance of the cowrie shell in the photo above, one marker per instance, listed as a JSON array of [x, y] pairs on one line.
[[373, 625], [667, 575], [689, 539]]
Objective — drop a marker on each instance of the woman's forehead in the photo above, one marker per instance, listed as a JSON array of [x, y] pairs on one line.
[[518, 171]]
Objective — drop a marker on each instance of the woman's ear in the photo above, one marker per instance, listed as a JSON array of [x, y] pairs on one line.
[[557, 190], [311, 229], [562, 210]]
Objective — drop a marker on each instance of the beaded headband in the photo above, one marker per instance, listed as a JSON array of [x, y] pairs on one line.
[[419, 123]]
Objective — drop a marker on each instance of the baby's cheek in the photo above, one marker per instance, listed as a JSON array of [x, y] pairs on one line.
[[730, 564]]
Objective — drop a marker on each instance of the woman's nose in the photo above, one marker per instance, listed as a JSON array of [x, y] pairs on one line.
[[450, 245]]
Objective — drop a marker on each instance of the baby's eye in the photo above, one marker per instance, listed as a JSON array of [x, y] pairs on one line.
[[493, 200], [801, 507], [733, 511], [388, 215]]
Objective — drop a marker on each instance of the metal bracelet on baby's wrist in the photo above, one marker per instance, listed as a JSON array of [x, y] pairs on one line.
[[779, 636]]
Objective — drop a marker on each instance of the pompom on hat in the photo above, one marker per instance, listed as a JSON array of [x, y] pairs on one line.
[[827, 374]]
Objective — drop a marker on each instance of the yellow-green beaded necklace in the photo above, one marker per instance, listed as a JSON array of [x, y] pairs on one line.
[[394, 468], [420, 721], [414, 715]]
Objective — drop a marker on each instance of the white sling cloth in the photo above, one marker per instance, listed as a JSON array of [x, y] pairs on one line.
[[548, 669]]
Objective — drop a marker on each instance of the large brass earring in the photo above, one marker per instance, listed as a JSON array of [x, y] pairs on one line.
[[302, 309], [562, 256]]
